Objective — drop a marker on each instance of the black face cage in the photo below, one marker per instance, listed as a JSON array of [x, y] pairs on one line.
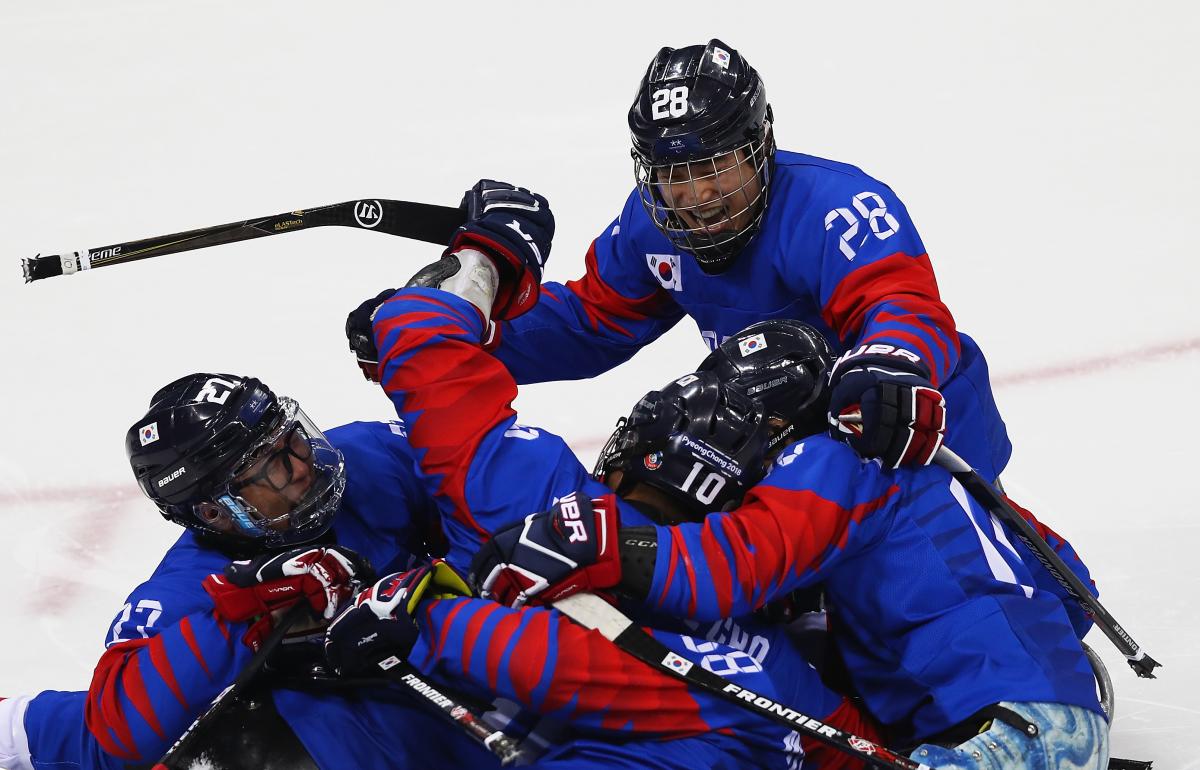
[[714, 251]]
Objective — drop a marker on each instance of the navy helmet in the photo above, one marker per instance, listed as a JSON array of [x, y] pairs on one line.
[[703, 149], [207, 438], [697, 440], [784, 364]]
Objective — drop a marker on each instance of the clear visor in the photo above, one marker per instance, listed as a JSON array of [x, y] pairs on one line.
[[288, 486]]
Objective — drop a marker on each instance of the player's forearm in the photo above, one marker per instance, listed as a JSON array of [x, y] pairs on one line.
[[895, 301], [539, 659], [144, 693]]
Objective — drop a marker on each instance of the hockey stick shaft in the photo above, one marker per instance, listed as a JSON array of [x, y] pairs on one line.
[[991, 499], [419, 221], [495, 741], [230, 693], [590, 611]]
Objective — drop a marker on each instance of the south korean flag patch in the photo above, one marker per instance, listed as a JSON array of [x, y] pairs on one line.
[[665, 268], [148, 434], [752, 344]]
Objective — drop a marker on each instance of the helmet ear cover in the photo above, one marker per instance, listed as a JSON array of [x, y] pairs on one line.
[[701, 444]]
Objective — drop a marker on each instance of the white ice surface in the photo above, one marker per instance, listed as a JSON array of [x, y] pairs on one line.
[[1047, 151]]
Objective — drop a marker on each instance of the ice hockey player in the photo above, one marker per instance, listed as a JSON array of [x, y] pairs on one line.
[[251, 478], [946, 628], [725, 229], [486, 471]]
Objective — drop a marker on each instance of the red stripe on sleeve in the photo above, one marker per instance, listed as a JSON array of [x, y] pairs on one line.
[[527, 667], [135, 691], [189, 636], [900, 278], [719, 570], [602, 303], [103, 715], [435, 382], [162, 664], [501, 635], [471, 635], [680, 547], [784, 529]]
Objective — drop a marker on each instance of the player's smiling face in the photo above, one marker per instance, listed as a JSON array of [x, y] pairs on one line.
[[715, 196]]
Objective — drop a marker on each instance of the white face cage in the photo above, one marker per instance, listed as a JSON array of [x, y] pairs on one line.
[[712, 207]]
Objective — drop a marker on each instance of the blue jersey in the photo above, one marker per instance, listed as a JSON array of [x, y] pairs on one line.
[[936, 611], [837, 250], [486, 472], [167, 655]]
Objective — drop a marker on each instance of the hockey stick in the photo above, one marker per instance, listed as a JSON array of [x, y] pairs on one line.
[[991, 499], [495, 741], [230, 693], [419, 221], [592, 612]]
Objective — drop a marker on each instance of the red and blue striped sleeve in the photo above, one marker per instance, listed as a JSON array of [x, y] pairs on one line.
[[586, 327], [781, 538], [877, 285], [447, 389], [146, 691], [539, 659]]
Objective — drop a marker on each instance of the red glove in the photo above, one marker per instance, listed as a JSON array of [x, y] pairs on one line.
[[260, 589]]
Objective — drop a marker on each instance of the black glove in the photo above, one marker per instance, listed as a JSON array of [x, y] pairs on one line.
[[884, 405], [380, 626], [549, 556], [362, 337], [514, 227]]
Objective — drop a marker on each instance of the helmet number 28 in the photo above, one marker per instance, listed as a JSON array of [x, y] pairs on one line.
[[882, 224], [669, 103]]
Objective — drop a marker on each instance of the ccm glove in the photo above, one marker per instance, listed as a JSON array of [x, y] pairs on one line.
[[567, 550], [260, 589], [883, 404], [379, 629], [361, 336], [514, 227]]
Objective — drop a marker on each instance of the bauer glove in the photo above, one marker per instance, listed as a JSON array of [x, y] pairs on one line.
[[883, 405], [569, 549]]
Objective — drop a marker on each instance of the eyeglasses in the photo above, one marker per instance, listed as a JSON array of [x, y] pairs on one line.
[[274, 462]]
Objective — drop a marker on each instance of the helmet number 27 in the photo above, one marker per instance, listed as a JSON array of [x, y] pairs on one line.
[[882, 224], [669, 103]]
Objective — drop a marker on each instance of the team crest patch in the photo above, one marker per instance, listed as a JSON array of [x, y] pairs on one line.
[[665, 268], [751, 344], [652, 461], [148, 434]]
